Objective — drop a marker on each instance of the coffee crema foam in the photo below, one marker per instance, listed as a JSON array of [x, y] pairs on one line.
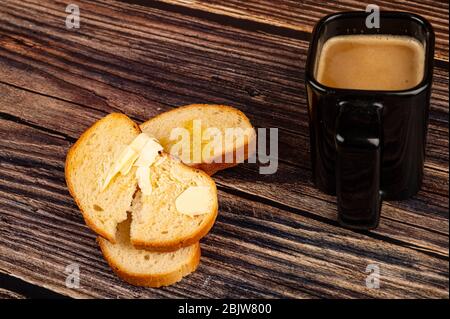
[[371, 62]]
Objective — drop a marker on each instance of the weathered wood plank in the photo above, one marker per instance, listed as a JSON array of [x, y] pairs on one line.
[[53, 54], [14, 287], [144, 63], [254, 250], [269, 89], [303, 15], [8, 294], [421, 222]]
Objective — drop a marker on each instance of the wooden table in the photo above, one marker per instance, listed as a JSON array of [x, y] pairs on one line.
[[276, 235]]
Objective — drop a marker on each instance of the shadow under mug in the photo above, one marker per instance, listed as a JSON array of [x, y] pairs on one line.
[[368, 145]]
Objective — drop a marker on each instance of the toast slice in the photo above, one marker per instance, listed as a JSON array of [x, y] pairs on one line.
[[87, 165], [196, 119], [144, 268], [172, 205], [160, 221]]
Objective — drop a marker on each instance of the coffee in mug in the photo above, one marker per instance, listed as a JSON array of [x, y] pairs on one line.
[[371, 62]]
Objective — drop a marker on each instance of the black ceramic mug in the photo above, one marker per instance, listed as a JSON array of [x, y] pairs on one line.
[[368, 145]]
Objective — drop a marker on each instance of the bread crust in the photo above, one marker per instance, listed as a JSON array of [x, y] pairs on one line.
[[213, 167], [175, 244], [68, 168], [152, 280]]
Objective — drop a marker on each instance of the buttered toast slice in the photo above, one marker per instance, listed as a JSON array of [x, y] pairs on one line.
[[203, 123], [180, 211], [87, 165], [144, 268], [114, 169]]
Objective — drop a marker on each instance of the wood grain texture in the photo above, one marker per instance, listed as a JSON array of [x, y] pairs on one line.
[[8, 294], [254, 250], [303, 15], [139, 60], [141, 82]]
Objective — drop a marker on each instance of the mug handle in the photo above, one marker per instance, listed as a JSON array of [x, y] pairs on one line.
[[358, 164]]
